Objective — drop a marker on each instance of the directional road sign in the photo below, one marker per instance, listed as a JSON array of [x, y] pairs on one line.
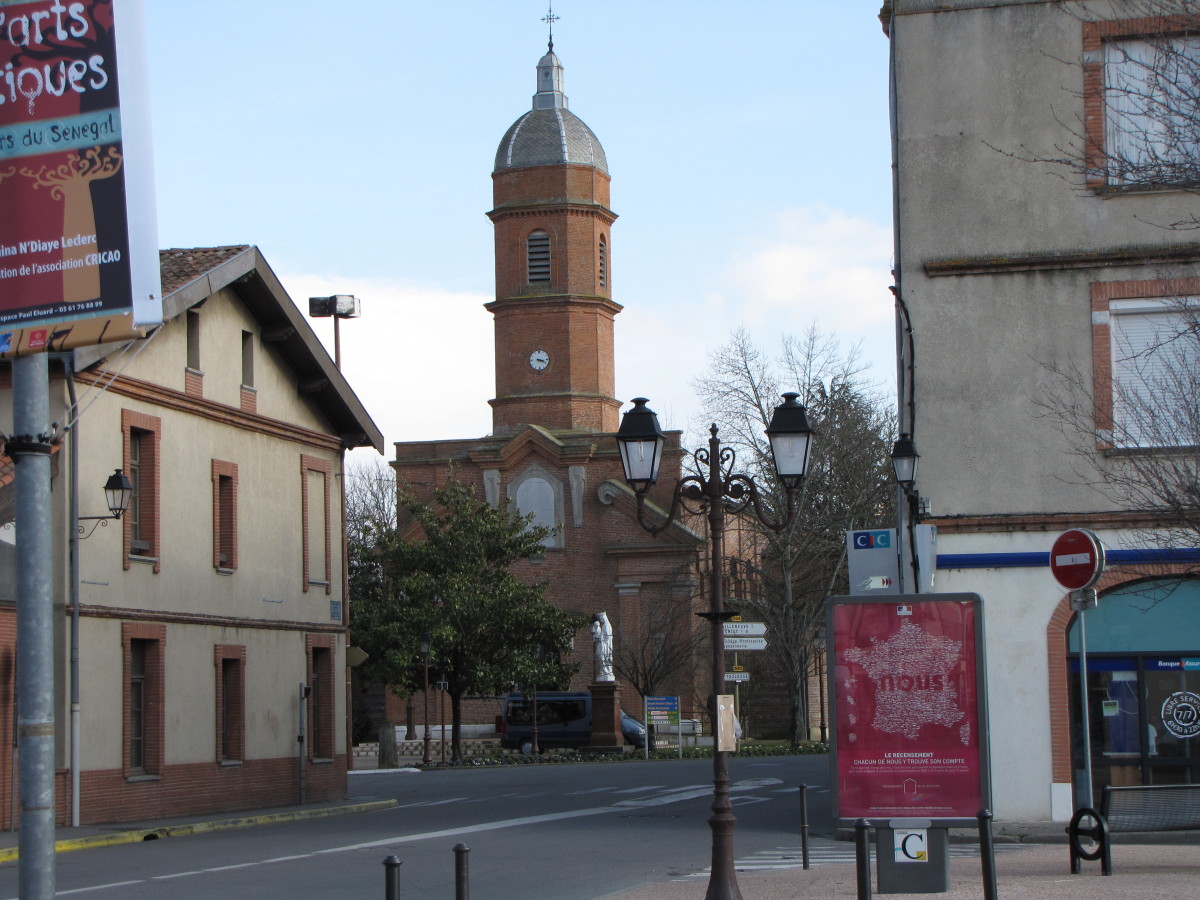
[[756, 628], [745, 643]]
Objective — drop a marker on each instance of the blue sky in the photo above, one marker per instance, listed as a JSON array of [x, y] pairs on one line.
[[353, 143]]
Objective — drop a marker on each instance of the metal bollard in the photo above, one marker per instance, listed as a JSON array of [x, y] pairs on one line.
[[987, 855], [391, 878], [862, 858], [462, 875], [804, 824]]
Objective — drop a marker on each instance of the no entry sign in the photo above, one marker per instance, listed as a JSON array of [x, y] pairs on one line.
[[1077, 559]]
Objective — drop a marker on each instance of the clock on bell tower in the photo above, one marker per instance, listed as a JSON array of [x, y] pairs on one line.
[[553, 308]]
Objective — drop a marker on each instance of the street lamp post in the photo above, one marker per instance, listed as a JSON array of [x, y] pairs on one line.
[[427, 755], [904, 464], [718, 493]]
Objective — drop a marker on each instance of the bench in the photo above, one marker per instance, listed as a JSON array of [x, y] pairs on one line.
[[1155, 807]]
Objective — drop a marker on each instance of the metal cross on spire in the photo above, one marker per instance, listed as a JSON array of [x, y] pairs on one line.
[[550, 18]]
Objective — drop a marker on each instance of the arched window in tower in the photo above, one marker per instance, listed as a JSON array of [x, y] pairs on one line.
[[537, 257], [603, 262], [538, 493]]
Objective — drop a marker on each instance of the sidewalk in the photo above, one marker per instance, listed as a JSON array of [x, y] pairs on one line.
[[1026, 872]]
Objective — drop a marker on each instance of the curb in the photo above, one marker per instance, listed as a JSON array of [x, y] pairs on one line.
[[10, 854]]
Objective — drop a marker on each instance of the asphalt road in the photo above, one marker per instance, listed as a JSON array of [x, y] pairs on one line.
[[559, 832]]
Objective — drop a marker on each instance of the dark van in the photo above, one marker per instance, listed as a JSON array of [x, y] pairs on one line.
[[564, 720]]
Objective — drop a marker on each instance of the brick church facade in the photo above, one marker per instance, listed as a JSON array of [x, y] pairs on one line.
[[552, 452]]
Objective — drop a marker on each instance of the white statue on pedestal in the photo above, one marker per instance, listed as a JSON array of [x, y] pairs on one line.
[[602, 636]]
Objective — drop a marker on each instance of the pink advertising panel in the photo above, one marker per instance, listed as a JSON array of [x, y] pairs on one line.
[[78, 254], [909, 706]]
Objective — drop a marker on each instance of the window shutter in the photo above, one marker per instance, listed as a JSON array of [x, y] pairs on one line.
[[537, 257]]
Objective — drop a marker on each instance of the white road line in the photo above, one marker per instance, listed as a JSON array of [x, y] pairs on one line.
[[98, 887]]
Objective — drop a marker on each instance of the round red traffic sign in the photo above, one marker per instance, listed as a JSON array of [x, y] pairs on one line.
[[1077, 559]]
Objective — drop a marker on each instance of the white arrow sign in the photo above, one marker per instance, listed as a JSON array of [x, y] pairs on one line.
[[732, 628], [745, 643]]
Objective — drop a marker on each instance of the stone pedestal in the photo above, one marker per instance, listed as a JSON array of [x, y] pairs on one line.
[[606, 718]]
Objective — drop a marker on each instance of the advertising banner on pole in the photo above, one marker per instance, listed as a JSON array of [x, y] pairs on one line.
[[78, 235], [907, 682]]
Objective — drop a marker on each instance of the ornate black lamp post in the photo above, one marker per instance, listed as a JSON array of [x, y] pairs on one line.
[[427, 755], [718, 493]]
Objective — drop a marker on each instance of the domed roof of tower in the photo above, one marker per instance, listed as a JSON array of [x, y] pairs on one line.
[[549, 134]]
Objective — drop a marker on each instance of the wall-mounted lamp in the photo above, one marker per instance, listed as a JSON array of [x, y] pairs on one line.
[[117, 492], [904, 462]]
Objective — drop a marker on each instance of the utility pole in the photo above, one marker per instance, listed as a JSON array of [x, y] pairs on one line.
[[30, 450]]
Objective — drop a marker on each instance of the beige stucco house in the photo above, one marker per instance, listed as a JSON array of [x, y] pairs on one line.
[[1038, 181], [218, 599]]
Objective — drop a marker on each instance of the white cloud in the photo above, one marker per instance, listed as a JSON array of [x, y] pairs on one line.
[[805, 265]]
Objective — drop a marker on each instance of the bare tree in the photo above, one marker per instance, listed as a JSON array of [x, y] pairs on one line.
[[660, 653], [1136, 121], [1137, 445], [370, 499], [784, 577]]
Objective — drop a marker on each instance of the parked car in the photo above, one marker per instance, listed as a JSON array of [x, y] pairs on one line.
[[564, 719], [633, 730]]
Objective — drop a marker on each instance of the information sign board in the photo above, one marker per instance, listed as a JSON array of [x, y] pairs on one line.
[[78, 241], [907, 684]]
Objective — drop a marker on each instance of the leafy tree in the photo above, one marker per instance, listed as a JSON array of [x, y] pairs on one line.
[[784, 577], [488, 631]]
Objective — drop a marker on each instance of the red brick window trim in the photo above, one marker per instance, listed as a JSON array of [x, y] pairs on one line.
[[1103, 296], [322, 697], [316, 522], [225, 515], [143, 648], [229, 661], [141, 438], [1095, 107]]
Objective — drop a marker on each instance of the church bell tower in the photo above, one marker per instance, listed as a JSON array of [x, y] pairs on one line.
[[553, 308]]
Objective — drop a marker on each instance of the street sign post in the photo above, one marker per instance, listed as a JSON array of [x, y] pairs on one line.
[[1077, 562], [745, 643], [662, 711]]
